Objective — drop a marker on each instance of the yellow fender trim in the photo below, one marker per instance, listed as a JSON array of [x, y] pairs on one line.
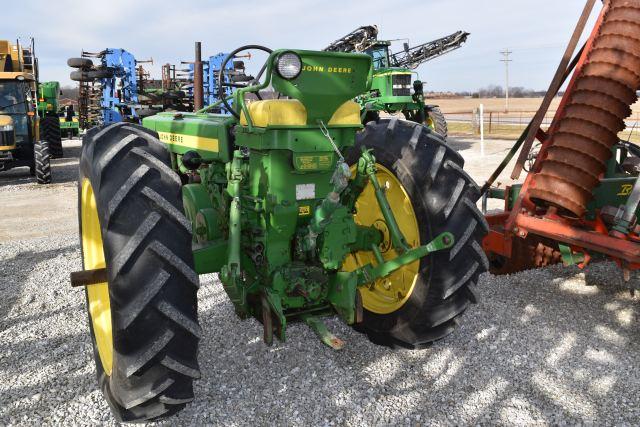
[[291, 112]]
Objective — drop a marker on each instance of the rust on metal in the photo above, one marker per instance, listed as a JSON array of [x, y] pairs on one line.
[[556, 83], [88, 277], [198, 90], [583, 133], [509, 254], [572, 236]]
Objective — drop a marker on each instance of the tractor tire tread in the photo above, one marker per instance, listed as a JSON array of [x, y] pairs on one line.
[[439, 121], [444, 200], [50, 131], [152, 281], [42, 162]]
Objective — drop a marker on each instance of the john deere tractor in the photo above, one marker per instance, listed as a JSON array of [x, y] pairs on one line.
[[69, 124], [20, 143], [393, 89], [48, 105], [301, 210]]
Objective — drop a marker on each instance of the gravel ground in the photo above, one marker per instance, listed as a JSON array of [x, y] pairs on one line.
[[553, 346]]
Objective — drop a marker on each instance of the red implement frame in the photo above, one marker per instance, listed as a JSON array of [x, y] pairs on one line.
[[521, 221]]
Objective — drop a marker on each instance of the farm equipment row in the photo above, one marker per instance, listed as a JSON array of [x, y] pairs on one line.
[[29, 123], [307, 208], [392, 90], [117, 88]]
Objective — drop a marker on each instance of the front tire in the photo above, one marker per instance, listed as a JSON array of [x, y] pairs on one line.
[[437, 122], [442, 198], [143, 320], [42, 162]]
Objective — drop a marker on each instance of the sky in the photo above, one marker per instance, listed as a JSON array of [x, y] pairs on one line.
[[536, 31]]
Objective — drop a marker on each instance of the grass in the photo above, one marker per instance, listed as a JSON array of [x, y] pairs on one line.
[[516, 105], [513, 131]]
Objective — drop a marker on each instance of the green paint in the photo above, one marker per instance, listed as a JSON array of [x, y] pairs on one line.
[[569, 257], [393, 89], [272, 208], [48, 98], [397, 239]]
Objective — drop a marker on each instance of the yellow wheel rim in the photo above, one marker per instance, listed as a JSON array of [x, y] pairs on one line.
[[98, 294], [430, 123], [390, 293]]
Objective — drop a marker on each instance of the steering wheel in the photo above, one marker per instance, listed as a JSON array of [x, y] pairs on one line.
[[221, 80]]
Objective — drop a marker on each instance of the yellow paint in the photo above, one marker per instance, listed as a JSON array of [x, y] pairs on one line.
[[430, 123], [98, 294], [28, 77], [625, 189], [347, 114], [389, 293], [304, 210], [36, 128], [291, 112], [323, 69], [11, 57], [191, 141], [7, 147], [5, 120], [313, 162], [276, 112]]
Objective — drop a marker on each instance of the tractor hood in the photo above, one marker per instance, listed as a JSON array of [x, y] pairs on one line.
[[7, 133]]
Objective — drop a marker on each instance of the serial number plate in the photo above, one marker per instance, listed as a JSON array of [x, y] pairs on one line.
[[305, 191]]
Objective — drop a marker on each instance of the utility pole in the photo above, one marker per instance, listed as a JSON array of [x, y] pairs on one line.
[[506, 61]]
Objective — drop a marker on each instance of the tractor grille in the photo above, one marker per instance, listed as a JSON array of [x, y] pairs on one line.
[[401, 85]]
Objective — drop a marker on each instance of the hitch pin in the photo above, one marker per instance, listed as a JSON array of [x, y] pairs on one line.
[[88, 277]]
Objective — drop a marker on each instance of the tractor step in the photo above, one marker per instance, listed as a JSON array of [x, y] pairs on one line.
[[318, 326]]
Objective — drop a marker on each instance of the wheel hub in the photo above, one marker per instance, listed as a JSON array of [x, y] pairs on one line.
[[390, 293]]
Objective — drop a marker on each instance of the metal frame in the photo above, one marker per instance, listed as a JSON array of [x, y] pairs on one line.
[[524, 219]]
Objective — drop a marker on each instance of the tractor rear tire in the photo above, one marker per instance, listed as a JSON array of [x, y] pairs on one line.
[[437, 122], [79, 62], [50, 132], [42, 162], [443, 198], [127, 184], [371, 116]]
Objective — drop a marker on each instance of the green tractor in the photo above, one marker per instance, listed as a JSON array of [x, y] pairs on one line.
[[20, 142], [301, 210], [69, 124], [393, 89], [48, 105]]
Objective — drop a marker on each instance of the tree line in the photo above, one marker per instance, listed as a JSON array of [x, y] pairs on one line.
[[497, 91]]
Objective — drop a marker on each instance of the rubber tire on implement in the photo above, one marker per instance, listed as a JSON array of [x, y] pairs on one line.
[[151, 277], [80, 62], [50, 132], [90, 75], [439, 122], [443, 198], [42, 162]]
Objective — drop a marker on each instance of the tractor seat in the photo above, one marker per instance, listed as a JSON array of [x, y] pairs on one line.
[[291, 112]]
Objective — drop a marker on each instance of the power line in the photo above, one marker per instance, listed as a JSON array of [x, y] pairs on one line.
[[506, 61]]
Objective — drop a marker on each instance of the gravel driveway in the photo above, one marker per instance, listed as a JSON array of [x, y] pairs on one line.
[[550, 346]]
